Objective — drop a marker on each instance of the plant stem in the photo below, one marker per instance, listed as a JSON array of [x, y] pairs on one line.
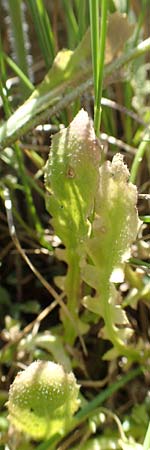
[[3, 86], [32, 214], [25, 80], [104, 395], [72, 289], [127, 103], [81, 19], [97, 111], [50, 444], [137, 160], [94, 21], [16, 13], [146, 444], [145, 219], [43, 29], [139, 262], [72, 26]]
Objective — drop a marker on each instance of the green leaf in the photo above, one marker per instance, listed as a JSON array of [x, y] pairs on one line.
[[53, 344], [72, 178], [115, 228], [92, 304], [72, 175]]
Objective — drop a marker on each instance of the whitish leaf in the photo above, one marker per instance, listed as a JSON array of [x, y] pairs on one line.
[[115, 228], [116, 224], [69, 70], [90, 274], [93, 304]]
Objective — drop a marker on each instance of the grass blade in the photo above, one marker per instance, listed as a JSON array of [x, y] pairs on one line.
[[104, 395], [71, 24], [82, 19], [137, 160], [25, 80], [16, 12], [101, 57], [43, 30], [94, 21]]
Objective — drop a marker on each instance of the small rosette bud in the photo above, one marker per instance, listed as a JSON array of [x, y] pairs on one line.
[[42, 400]]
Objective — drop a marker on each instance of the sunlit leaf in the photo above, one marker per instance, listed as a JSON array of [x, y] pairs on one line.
[[70, 69]]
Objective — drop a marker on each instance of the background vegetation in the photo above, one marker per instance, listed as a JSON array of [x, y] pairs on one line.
[[114, 394]]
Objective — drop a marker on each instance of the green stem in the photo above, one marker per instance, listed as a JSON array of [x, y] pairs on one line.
[[50, 443], [3, 79], [19, 39], [97, 111], [145, 219], [146, 444], [94, 21], [25, 80], [72, 25], [4, 98], [32, 215], [43, 30], [127, 103], [81, 19], [137, 160], [104, 395], [30, 231], [140, 20], [72, 289], [139, 262]]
